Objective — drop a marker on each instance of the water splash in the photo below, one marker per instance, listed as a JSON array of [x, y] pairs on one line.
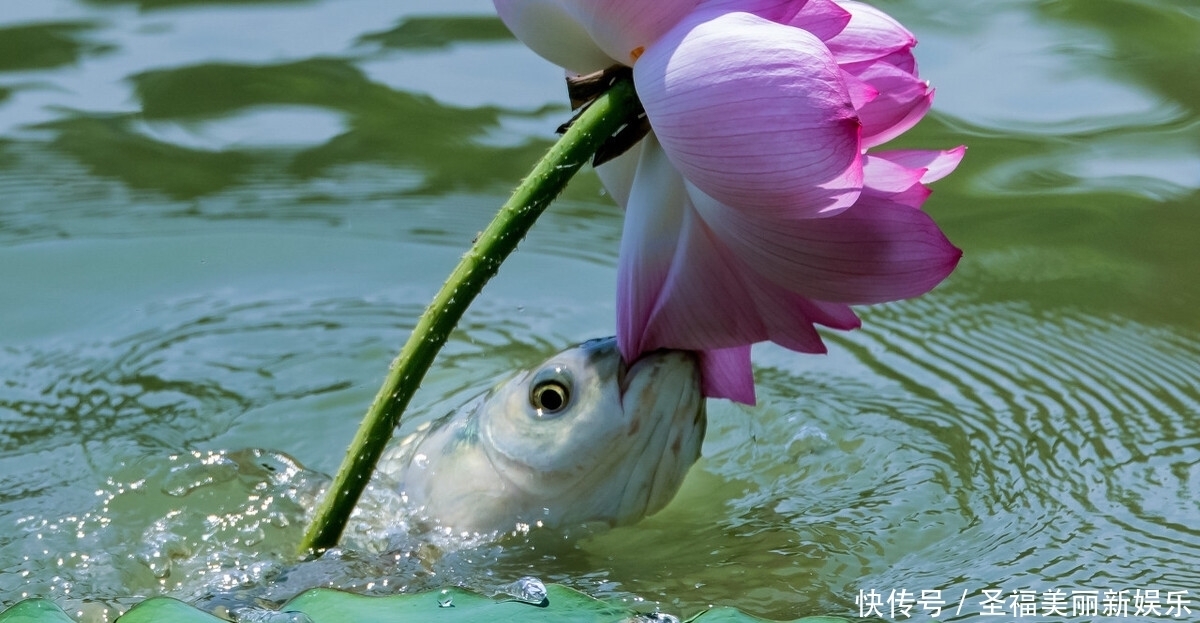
[[653, 617], [527, 589], [263, 615]]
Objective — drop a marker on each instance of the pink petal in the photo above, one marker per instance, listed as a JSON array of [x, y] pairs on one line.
[[833, 315], [883, 175], [754, 113], [726, 373], [903, 99], [934, 164], [912, 196], [823, 18], [860, 91], [901, 59], [553, 34], [899, 178], [624, 28], [652, 227], [875, 252], [680, 287], [778, 11], [871, 34], [711, 299]]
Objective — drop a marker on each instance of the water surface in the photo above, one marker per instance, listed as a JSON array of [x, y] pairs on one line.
[[220, 221]]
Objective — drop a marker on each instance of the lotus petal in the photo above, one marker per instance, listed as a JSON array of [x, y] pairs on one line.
[[624, 28], [934, 164], [902, 100], [875, 252], [649, 242], [617, 174], [754, 113], [823, 18], [778, 11], [680, 286], [885, 178], [726, 373], [753, 210], [553, 33], [871, 34]]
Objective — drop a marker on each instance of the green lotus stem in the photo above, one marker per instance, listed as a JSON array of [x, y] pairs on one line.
[[615, 109]]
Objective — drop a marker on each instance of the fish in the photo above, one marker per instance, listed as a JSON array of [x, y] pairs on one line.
[[582, 438]]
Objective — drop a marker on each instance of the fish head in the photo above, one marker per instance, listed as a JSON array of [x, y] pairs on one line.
[[585, 437]]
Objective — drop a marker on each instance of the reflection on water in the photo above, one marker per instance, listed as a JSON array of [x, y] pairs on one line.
[[221, 219], [1153, 42], [383, 125], [438, 32], [41, 46]]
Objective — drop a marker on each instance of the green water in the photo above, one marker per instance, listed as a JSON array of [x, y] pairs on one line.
[[219, 221]]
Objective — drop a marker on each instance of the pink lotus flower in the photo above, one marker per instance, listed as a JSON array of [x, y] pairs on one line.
[[754, 208]]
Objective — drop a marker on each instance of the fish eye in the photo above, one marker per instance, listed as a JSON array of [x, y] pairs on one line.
[[551, 392], [549, 397]]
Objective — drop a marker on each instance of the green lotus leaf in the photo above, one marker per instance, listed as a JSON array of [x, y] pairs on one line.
[[35, 611], [166, 610]]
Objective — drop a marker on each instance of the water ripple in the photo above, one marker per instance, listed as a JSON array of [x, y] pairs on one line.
[[1079, 427], [954, 445], [145, 516]]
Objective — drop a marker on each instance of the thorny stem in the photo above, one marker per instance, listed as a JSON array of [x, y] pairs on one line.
[[608, 114]]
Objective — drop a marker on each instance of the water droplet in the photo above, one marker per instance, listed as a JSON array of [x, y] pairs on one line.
[[527, 589], [809, 440], [445, 599], [421, 461]]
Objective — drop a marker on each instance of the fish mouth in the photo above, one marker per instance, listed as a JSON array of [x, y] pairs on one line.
[[627, 372], [622, 376], [602, 347], [662, 398]]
